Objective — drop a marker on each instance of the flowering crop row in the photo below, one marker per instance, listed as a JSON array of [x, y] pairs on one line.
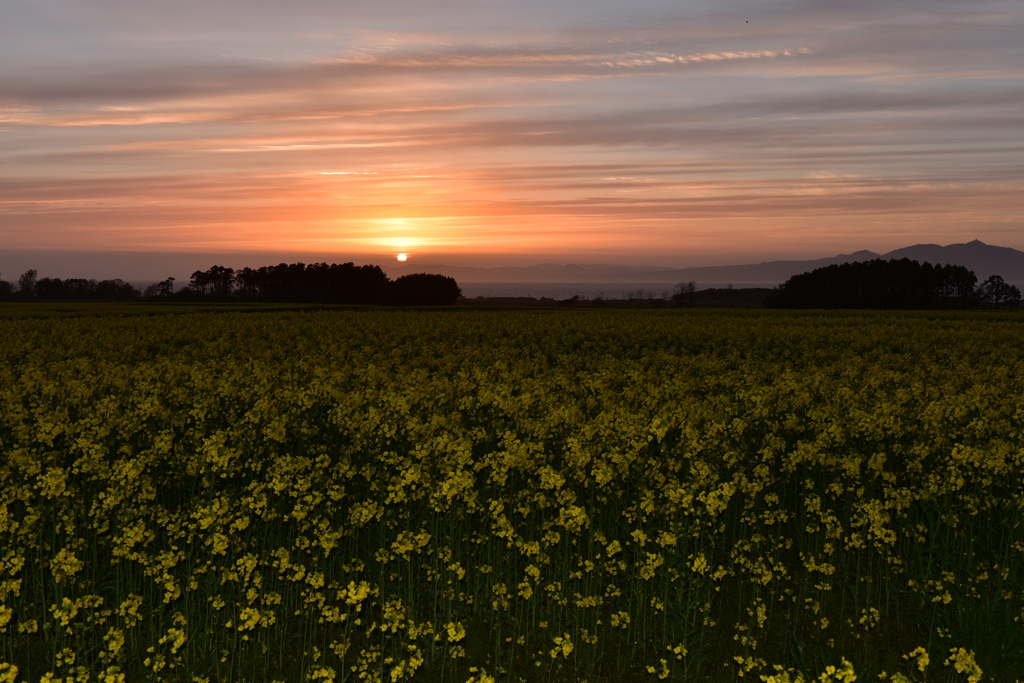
[[512, 495]]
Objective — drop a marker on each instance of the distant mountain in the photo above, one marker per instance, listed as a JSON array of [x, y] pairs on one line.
[[770, 271], [983, 259]]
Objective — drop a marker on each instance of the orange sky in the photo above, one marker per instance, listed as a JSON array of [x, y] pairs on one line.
[[677, 135]]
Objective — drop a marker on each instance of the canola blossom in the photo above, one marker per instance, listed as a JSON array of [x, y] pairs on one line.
[[483, 496]]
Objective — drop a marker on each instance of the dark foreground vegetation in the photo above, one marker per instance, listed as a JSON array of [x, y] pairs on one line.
[[512, 495]]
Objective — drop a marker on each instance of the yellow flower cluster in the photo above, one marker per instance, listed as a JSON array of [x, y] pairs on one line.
[[511, 495]]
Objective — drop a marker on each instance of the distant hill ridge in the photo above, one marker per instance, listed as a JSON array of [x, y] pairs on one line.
[[983, 259]]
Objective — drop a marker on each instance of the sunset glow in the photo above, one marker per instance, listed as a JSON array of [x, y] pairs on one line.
[[658, 132]]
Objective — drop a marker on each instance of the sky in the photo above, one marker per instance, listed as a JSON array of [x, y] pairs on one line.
[[678, 134]]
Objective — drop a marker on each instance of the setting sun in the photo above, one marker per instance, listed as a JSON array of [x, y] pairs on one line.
[[403, 257]]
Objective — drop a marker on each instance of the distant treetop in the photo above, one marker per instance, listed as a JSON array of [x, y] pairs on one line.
[[319, 283], [343, 283], [893, 284]]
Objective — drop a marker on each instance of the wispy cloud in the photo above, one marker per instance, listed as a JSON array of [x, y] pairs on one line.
[[634, 128], [490, 60]]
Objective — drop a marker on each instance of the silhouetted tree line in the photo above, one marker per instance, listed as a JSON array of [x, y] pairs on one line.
[[893, 284], [72, 289], [317, 283], [53, 289], [688, 296]]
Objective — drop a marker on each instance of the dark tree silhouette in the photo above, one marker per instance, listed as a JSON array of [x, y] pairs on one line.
[[994, 293], [78, 289], [5, 288], [315, 283], [896, 284], [116, 290], [27, 284], [684, 293], [217, 283], [55, 289], [421, 289], [318, 283], [160, 290]]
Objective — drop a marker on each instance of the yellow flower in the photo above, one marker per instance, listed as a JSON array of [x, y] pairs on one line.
[[456, 631], [963, 662], [922, 658], [563, 646]]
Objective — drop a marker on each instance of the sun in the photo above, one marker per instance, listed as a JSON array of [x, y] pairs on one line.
[[403, 257]]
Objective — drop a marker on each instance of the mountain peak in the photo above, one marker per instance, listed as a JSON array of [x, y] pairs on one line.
[[983, 259]]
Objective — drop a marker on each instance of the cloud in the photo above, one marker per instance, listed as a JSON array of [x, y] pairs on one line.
[[501, 60], [147, 125]]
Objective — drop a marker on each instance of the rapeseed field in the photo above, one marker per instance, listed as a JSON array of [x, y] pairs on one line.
[[512, 495]]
